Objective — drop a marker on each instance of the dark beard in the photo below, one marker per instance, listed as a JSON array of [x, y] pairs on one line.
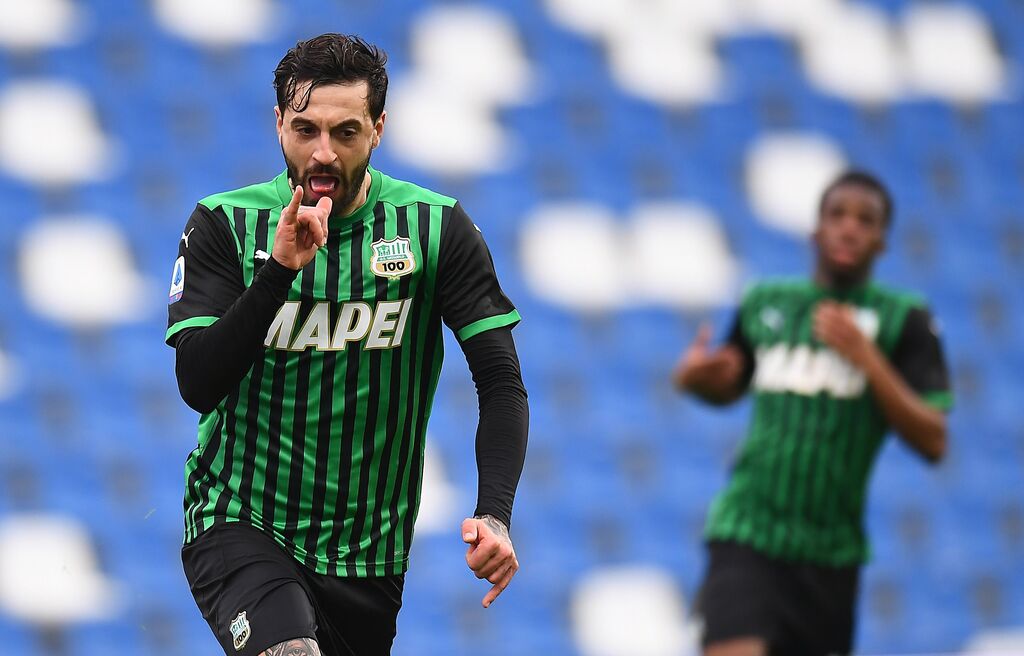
[[351, 186]]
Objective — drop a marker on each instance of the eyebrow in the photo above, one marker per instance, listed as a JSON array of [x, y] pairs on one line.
[[350, 122]]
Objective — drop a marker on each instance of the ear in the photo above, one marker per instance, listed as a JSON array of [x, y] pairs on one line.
[[378, 130], [280, 123]]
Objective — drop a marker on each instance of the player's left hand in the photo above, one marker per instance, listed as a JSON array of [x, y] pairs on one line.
[[834, 326], [490, 554]]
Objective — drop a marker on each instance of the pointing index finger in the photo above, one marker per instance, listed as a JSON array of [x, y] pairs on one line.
[[293, 207]]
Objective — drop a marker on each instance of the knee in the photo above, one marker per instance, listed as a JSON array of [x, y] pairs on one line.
[[294, 647]]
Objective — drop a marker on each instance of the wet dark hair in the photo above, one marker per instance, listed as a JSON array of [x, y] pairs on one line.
[[331, 59], [862, 179]]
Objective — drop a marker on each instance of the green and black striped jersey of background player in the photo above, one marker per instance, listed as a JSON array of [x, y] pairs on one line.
[[833, 363]]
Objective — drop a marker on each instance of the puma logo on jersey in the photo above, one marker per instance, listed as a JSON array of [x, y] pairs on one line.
[[806, 371], [381, 327], [261, 255], [185, 236]]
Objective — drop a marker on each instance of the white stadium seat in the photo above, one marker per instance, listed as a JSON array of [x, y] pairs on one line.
[[38, 24], [572, 256], [679, 257], [855, 57], [49, 572], [440, 500], [223, 23], [655, 60], [633, 610], [952, 53], [79, 271], [442, 117], [579, 256], [49, 134], [785, 175]]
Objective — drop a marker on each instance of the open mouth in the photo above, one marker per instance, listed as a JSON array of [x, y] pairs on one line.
[[323, 184]]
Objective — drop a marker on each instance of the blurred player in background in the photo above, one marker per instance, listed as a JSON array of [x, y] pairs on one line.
[[306, 316], [834, 362]]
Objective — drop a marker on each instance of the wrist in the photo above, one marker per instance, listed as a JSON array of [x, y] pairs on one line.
[[274, 258], [871, 360], [277, 276], [496, 523]]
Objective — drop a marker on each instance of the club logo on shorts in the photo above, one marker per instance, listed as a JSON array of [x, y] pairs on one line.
[[392, 258], [177, 281], [240, 631]]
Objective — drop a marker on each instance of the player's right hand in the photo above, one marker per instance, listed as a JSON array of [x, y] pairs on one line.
[[301, 231], [699, 364]]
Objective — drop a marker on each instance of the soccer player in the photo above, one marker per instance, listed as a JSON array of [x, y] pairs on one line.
[[834, 362], [306, 317]]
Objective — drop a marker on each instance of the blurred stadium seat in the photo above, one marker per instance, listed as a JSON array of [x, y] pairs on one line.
[[631, 170]]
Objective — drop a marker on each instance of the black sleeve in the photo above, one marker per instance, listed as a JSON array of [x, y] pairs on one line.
[[215, 350], [919, 360], [207, 276], [504, 420], [737, 338], [470, 297], [211, 361]]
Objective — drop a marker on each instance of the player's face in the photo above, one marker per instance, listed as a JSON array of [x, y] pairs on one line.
[[327, 145], [851, 231]]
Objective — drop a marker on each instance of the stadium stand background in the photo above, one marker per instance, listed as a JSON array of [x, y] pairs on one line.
[[633, 164]]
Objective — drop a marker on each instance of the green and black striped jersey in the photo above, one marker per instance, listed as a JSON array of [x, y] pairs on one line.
[[321, 444], [798, 486]]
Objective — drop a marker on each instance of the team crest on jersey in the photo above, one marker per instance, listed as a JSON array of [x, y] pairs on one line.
[[772, 318], [177, 281], [240, 631], [392, 258]]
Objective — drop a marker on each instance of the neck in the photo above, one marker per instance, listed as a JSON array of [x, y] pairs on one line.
[[835, 281]]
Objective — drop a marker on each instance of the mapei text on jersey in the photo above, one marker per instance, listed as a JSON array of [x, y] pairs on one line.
[[381, 326]]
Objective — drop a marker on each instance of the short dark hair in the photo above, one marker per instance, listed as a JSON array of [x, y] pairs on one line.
[[331, 59], [862, 179]]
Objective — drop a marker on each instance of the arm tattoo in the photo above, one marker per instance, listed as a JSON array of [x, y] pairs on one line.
[[495, 525], [294, 647]]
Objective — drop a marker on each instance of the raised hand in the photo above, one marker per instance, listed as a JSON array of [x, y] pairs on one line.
[[490, 554], [301, 231], [699, 363]]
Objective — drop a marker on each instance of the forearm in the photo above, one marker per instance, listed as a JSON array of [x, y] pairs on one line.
[[713, 390], [210, 361], [917, 423], [718, 380], [503, 427]]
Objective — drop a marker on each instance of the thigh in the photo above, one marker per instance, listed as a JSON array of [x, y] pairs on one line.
[[356, 616], [248, 589], [736, 598], [826, 608]]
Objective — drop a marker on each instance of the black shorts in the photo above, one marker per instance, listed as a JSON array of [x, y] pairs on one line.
[[255, 595], [799, 609]]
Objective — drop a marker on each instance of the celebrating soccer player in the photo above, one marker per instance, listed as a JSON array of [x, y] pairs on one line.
[[306, 316], [834, 363]]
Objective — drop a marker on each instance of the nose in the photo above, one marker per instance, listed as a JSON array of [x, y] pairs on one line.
[[324, 154], [849, 228]]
